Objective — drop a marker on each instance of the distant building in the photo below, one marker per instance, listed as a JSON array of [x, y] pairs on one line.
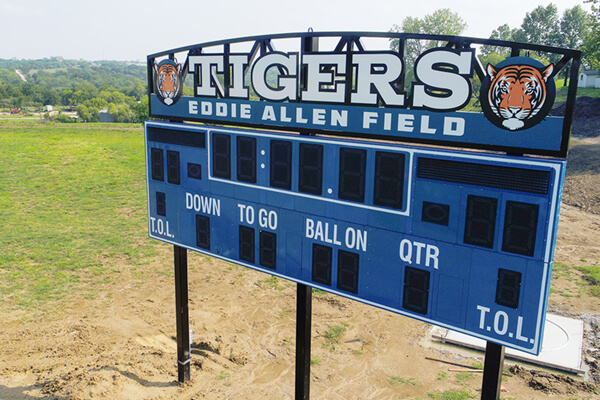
[[589, 79], [105, 116]]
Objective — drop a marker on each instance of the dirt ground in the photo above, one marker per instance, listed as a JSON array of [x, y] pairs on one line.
[[119, 344]]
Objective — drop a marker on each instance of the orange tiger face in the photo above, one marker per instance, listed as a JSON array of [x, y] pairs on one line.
[[168, 81], [517, 93]]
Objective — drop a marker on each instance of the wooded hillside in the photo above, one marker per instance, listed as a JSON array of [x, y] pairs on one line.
[[119, 87]]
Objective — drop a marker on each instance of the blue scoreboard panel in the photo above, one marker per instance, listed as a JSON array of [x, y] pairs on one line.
[[464, 240]]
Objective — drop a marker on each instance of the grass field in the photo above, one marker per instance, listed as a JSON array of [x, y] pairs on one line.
[[72, 206], [561, 93]]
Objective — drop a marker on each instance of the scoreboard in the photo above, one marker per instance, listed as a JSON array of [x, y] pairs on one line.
[[464, 240]]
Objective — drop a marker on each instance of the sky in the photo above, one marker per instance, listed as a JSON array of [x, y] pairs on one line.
[[130, 30]]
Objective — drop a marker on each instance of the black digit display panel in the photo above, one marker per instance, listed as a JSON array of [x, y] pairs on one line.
[[353, 164], [520, 227], [389, 179], [158, 164], [247, 244], [321, 264], [246, 159], [416, 290], [281, 164], [173, 169], [268, 249], [480, 222], [221, 153], [161, 204], [347, 271], [203, 232], [508, 288], [310, 170]]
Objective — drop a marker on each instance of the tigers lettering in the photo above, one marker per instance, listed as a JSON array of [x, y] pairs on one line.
[[443, 79]]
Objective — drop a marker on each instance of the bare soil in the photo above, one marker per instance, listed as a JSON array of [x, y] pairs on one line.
[[120, 343], [586, 116]]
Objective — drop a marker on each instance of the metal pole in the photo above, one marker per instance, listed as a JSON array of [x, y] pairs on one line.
[[492, 371], [304, 294], [303, 328], [184, 357]]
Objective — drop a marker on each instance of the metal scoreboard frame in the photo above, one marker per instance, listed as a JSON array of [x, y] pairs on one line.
[[440, 243], [458, 238], [354, 87]]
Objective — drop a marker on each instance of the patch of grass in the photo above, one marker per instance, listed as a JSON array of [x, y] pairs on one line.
[[333, 333], [164, 272], [477, 365], [286, 313], [315, 360], [272, 283], [72, 203], [561, 92], [463, 377], [591, 275], [223, 376], [442, 375], [451, 395], [562, 270], [397, 380]]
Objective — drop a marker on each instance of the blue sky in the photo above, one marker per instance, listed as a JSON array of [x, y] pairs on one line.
[[132, 29]]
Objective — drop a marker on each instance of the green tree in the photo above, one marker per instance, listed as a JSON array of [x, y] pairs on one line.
[[503, 32], [82, 92], [591, 45], [112, 109], [574, 27], [142, 110], [66, 95], [124, 113], [96, 103], [441, 22], [113, 96], [139, 89], [84, 114], [541, 26]]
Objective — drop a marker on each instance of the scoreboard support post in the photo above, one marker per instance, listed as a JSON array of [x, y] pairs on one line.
[[492, 371], [184, 357], [304, 296], [303, 336]]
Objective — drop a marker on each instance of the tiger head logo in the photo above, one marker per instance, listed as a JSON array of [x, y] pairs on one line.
[[168, 81], [517, 93]]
